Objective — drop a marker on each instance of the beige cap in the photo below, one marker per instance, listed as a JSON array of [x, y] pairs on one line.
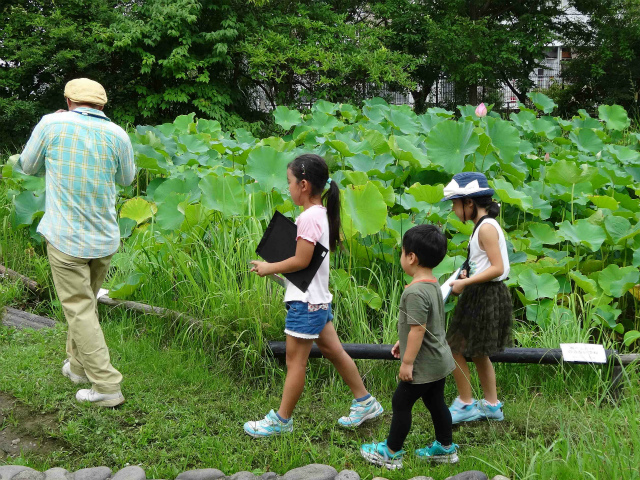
[[83, 90]]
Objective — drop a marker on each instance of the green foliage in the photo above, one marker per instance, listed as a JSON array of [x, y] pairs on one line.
[[604, 68], [571, 221], [298, 51]]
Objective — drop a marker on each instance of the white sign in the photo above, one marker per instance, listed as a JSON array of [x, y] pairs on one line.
[[583, 352], [101, 293]]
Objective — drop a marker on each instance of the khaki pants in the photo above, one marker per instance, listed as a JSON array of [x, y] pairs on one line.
[[77, 282]]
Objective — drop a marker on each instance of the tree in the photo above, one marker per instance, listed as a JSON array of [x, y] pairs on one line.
[[42, 46], [604, 68], [174, 57], [297, 52], [473, 42]]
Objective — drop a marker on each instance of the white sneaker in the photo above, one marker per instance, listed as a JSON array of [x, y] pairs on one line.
[[66, 371], [100, 399]]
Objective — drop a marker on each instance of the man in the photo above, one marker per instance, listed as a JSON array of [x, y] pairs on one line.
[[84, 155]]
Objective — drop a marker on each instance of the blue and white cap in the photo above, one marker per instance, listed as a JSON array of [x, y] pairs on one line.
[[467, 184]]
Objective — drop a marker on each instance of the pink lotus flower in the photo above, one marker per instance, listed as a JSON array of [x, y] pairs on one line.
[[481, 110], [546, 157]]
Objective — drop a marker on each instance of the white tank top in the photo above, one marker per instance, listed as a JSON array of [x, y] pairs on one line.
[[478, 258]]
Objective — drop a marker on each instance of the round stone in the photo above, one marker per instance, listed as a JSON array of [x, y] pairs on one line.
[[130, 473], [7, 472], [29, 475], [201, 474], [243, 476], [315, 471], [470, 475], [95, 473], [57, 474], [348, 475]]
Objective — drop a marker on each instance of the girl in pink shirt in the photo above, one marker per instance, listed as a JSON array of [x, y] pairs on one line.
[[309, 317]]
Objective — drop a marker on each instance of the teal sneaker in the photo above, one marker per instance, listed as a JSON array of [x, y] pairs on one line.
[[379, 454], [268, 426], [461, 412], [490, 412], [436, 453], [361, 412]]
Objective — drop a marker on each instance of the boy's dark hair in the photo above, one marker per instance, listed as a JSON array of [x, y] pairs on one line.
[[314, 169], [427, 242]]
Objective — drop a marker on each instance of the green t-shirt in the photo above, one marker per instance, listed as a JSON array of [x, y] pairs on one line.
[[422, 304]]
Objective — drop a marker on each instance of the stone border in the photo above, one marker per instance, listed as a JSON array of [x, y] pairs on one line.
[[314, 471]]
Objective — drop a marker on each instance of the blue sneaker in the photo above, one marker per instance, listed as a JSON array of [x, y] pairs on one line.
[[361, 412], [436, 453], [490, 412], [462, 412], [379, 454], [268, 426]]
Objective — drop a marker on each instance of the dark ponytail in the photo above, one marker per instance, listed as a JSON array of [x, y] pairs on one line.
[[331, 200], [487, 202], [314, 169]]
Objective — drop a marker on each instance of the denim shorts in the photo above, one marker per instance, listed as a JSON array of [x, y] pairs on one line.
[[302, 323]]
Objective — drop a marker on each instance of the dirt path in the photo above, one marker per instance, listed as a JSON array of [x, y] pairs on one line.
[[23, 431]]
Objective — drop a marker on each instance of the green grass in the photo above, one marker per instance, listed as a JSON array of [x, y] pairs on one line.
[[189, 391], [186, 403]]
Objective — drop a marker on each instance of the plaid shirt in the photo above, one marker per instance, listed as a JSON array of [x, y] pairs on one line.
[[83, 158]]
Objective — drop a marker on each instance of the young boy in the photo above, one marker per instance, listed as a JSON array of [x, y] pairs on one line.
[[426, 358]]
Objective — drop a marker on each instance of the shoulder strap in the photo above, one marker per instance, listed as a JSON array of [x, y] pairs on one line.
[[465, 265], [87, 114]]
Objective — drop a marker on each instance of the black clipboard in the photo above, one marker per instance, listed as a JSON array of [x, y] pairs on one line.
[[279, 243]]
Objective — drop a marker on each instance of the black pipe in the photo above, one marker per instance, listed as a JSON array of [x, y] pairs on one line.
[[509, 355]]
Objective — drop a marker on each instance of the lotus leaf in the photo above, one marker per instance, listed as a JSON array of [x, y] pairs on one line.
[[286, 118], [224, 194], [403, 122], [616, 281], [405, 148], [170, 213], [269, 167], [614, 116], [325, 107], [604, 202], [583, 233], [542, 102], [586, 140], [630, 337], [508, 194], [448, 143], [183, 123], [544, 233], [127, 288], [538, 286], [27, 207], [363, 210], [138, 209], [152, 160], [126, 226], [568, 173], [540, 312], [426, 193], [323, 123], [585, 283]]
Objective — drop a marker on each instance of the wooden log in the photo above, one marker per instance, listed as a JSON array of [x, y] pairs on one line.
[[112, 302], [30, 284], [148, 309], [20, 320], [545, 356]]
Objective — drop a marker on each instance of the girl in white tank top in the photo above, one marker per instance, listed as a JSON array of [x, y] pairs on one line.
[[482, 320]]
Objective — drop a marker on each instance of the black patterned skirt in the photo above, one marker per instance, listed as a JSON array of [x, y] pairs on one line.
[[482, 320]]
